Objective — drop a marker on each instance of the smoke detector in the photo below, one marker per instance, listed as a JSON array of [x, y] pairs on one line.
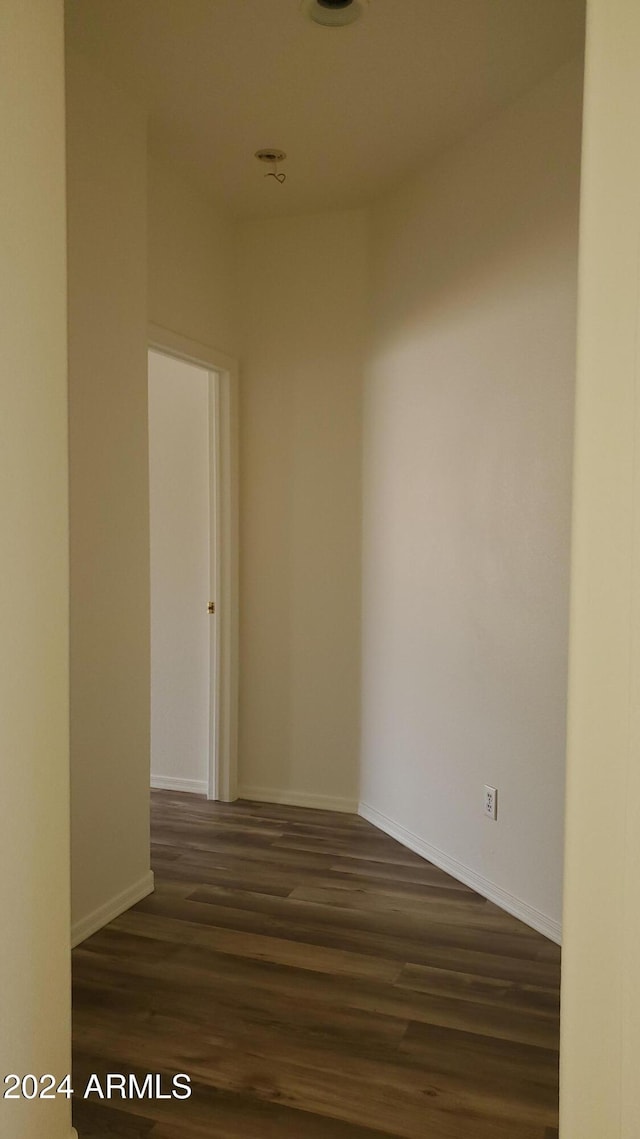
[[334, 13]]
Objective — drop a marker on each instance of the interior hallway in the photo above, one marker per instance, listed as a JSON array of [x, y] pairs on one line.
[[317, 981]]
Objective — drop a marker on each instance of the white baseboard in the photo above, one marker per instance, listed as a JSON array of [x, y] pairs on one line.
[[299, 799], [514, 906], [101, 916], [170, 783]]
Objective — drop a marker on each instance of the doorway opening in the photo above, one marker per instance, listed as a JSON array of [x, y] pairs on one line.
[[193, 557]]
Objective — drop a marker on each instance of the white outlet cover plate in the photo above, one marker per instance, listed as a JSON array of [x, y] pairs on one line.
[[491, 802]]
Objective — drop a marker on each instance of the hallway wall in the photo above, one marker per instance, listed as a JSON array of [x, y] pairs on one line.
[[106, 145], [34, 731], [301, 293], [468, 417], [189, 258], [144, 245], [600, 1093]]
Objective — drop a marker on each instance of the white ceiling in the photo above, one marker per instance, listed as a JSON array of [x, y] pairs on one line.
[[356, 109]]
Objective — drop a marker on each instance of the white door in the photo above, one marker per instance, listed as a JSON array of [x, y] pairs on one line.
[[180, 497]]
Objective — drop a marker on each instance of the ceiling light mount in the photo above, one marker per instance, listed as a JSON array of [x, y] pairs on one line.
[[272, 156], [334, 13]]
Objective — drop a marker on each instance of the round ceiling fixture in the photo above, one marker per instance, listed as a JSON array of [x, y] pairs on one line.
[[334, 13]]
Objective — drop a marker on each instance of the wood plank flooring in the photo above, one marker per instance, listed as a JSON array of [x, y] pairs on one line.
[[317, 981]]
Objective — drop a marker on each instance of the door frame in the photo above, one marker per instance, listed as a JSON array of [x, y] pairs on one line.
[[222, 777]]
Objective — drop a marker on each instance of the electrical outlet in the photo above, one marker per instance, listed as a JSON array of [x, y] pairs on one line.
[[491, 802]]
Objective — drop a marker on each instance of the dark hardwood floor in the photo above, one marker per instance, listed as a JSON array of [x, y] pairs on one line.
[[317, 981]]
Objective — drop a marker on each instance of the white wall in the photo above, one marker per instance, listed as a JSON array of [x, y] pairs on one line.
[[34, 805], [141, 249], [190, 258], [468, 415], [301, 299], [600, 1049], [108, 495], [179, 486]]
